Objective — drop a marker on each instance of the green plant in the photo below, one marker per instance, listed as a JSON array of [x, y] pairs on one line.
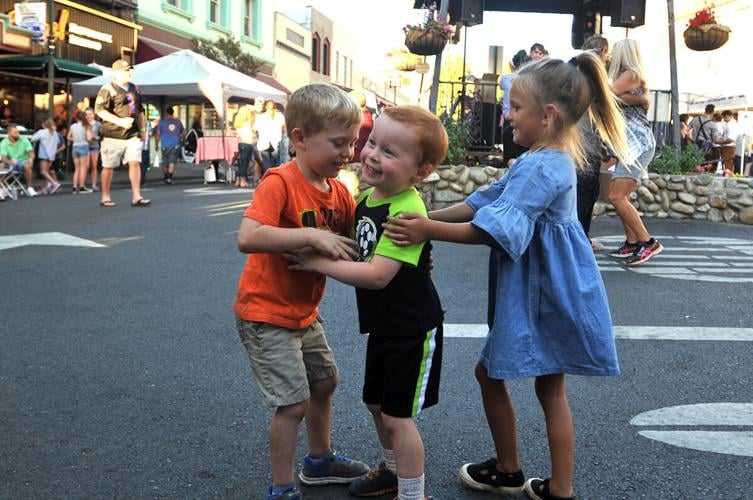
[[666, 163], [431, 23], [228, 51], [459, 137]]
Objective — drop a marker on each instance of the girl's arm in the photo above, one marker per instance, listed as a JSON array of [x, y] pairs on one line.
[[411, 228], [460, 212], [373, 275], [625, 83]]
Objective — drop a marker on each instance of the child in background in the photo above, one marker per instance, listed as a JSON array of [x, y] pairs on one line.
[[79, 135], [49, 143], [397, 303], [548, 310], [298, 205]]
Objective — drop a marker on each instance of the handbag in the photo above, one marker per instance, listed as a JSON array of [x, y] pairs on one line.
[[210, 175]]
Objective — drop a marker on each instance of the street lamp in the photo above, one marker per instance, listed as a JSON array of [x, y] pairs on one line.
[[50, 61]]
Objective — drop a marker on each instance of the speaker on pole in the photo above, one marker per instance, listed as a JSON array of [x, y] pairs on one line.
[[466, 12], [628, 13]]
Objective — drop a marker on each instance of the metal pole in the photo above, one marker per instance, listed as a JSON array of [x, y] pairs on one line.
[[444, 6], [462, 85], [673, 77], [50, 60]]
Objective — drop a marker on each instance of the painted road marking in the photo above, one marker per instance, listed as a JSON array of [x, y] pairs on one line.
[[730, 442], [51, 239], [479, 330], [690, 258]]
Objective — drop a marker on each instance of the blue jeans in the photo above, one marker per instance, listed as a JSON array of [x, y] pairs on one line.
[[246, 153], [269, 159]]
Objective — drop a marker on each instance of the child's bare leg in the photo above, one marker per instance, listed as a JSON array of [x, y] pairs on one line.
[[550, 389], [319, 414], [283, 438], [500, 416], [408, 446], [382, 434]]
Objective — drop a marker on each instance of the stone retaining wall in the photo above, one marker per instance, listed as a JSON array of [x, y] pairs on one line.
[[704, 197]]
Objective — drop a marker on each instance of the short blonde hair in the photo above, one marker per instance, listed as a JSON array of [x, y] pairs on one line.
[[432, 137], [626, 56], [319, 106]]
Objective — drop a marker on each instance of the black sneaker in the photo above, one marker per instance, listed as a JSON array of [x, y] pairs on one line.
[[334, 469], [486, 477], [538, 489], [625, 250], [377, 482], [644, 252]]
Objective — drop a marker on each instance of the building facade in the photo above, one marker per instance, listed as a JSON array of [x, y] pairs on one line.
[[292, 52]]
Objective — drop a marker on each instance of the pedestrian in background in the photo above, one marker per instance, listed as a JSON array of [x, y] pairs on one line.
[[17, 155], [270, 127], [367, 123], [118, 104], [628, 81], [79, 135], [169, 136], [548, 309], [298, 205], [510, 150], [244, 124], [49, 142], [95, 126]]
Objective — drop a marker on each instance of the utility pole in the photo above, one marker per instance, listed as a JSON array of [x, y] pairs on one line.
[[673, 78], [444, 6], [50, 59]]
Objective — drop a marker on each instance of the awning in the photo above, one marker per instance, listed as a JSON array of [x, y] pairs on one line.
[[272, 82], [38, 64]]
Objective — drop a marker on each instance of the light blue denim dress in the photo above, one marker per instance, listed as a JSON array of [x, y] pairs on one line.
[[548, 310]]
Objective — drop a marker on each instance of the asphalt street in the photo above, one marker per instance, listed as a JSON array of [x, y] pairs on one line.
[[122, 375]]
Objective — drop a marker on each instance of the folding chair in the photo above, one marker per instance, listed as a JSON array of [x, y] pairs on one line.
[[10, 184]]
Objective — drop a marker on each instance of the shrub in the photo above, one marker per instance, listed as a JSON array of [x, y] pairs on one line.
[[459, 136], [665, 162]]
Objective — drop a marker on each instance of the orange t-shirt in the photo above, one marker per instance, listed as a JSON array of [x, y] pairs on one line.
[[267, 291]]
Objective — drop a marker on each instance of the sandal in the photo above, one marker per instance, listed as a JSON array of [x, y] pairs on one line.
[[141, 202], [107, 203]]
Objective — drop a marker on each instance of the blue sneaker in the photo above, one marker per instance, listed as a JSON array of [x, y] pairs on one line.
[[289, 494], [334, 469]]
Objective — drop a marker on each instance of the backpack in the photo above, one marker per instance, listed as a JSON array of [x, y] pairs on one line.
[[705, 143]]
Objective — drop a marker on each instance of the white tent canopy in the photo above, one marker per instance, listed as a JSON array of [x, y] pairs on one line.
[[184, 74]]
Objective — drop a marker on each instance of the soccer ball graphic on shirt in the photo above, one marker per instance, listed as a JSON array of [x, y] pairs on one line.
[[366, 238]]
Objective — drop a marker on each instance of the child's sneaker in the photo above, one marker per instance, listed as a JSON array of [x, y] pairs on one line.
[[289, 494], [644, 252], [538, 489], [333, 469], [53, 188], [486, 477], [377, 482], [625, 250]]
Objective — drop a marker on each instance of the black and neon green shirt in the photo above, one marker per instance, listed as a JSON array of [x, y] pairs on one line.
[[409, 304]]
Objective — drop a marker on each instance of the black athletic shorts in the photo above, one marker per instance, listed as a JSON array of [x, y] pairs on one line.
[[402, 372]]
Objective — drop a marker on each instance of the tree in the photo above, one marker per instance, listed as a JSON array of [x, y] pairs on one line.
[[228, 51]]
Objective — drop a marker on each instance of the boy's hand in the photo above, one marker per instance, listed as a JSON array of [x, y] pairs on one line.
[[305, 259], [333, 245], [407, 229]]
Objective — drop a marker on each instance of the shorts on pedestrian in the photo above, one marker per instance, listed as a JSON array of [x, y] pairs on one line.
[[115, 151], [94, 148], [80, 150], [402, 372], [285, 362], [637, 170], [170, 155], [17, 168]]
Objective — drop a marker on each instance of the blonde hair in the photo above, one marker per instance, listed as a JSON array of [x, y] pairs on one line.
[[48, 123], [575, 90], [626, 56], [319, 106], [432, 137]]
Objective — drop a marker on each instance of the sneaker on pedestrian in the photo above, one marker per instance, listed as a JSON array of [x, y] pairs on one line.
[[425, 498], [292, 493], [85, 190], [625, 250], [2, 196], [644, 252], [74, 190], [538, 489], [169, 180], [31, 192], [95, 188], [53, 189], [595, 245], [332, 469], [377, 482], [485, 477]]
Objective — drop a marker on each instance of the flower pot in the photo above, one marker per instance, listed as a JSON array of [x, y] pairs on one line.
[[706, 37], [425, 43]]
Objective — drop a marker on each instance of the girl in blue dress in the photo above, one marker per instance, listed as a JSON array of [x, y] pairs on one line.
[[548, 310]]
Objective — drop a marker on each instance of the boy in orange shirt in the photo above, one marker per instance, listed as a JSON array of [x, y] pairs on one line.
[[299, 204]]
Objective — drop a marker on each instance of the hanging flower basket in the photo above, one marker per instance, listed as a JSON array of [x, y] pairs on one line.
[[404, 60], [706, 36], [425, 42]]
